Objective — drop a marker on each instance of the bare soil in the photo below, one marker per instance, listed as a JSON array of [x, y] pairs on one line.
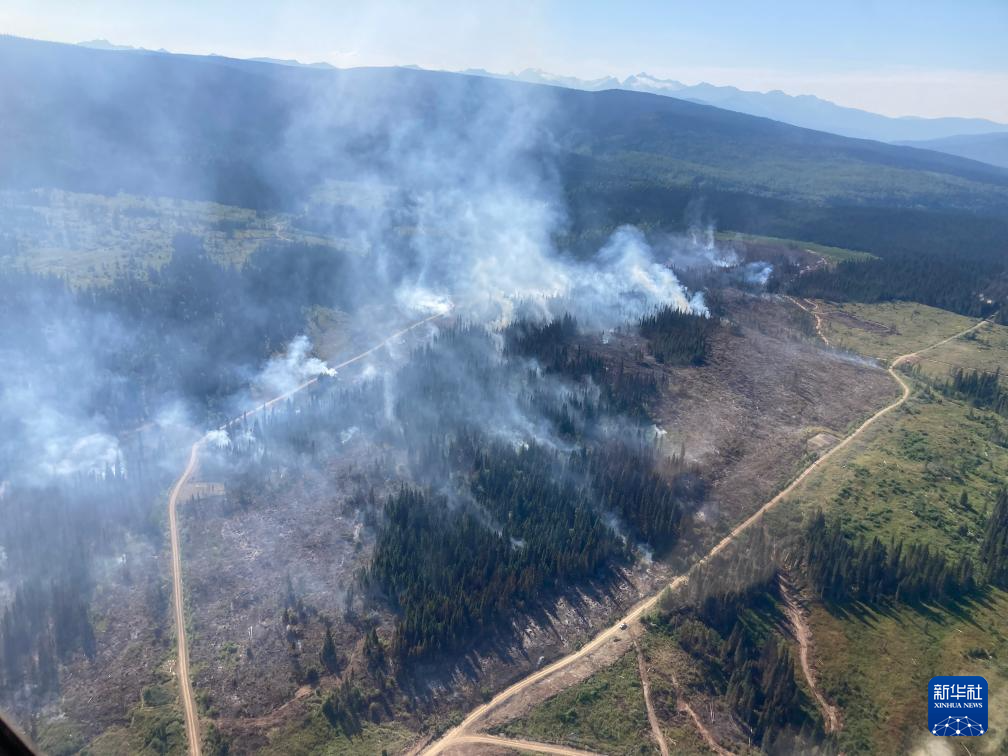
[[132, 648], [821, 441], [750, 413]]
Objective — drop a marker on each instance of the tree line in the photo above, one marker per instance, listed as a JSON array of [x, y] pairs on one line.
[[981, 387], [973, 286], [842, 570], [719, 619]]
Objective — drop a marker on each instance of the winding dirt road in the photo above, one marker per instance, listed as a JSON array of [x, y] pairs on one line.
[[471, 723], [803, 634], [192, 726], [814, 312]]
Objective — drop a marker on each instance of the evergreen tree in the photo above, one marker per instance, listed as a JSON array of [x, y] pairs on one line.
[[842, 570], [676, 336], [994, 549], [328, 655]]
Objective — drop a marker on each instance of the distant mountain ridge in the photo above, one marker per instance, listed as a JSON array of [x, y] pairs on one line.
[[292, 62], [988, 148], [275, 138], [608, 141], [808, 111], [104, 44]]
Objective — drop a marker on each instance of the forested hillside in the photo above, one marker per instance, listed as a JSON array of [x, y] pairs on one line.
[[972, 284], [275, 137], [269, 134]]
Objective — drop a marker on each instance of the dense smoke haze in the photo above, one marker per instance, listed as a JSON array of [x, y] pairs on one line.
[[416, 277], [444, 204]]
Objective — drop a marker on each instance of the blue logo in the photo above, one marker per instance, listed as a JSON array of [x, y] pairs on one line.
[[957, 705]]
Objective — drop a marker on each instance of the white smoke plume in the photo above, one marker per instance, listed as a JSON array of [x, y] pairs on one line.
[[284, 373], [625, 282]]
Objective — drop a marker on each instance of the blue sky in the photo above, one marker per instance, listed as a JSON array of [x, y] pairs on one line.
[[892, 56]]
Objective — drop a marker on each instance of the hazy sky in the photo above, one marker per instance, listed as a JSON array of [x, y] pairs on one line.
[[898, 57]]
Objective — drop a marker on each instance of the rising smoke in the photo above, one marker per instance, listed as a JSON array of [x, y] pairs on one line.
[[392, 197]]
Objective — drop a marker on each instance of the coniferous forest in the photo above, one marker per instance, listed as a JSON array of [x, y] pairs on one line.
[[531, 521], [569, 487], [983, 389], [677, 337], [842, 570], [972, 285]]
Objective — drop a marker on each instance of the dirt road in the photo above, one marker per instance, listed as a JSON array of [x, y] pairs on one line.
[[803, 634], [182, 667], [472, 721], [708, 738], [656, 730], [520, 745], [814, 312]]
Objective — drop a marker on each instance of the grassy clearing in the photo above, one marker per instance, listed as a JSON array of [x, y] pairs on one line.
[[877, 665], [312, 734], [833, 254], [887, 330], [904, 478], [986, 349], [605, 713]]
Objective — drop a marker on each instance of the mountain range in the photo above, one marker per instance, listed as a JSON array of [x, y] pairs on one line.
[[800, 110], [974, 138], [988, 148], [273, 136]]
